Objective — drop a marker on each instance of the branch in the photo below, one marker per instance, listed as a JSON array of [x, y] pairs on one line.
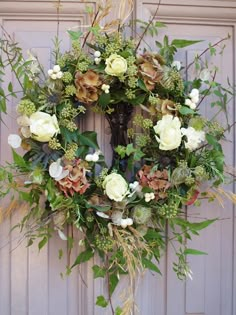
[[208, 48], [147, 27]]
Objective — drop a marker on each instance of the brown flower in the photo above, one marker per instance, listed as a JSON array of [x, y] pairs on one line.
[[150, 69], [87, 85], [168, 107], [156, 180], [75, 181]]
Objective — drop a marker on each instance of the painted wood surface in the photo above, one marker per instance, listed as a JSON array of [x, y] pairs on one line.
[[31, 282]]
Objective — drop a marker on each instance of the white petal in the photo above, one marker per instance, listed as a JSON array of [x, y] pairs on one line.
[[89, 158], [14, 141], [102, 215], [62, 235], [95, 157], [129, 221], [56, 68], [55, 169], [123, 223], [62, 175]]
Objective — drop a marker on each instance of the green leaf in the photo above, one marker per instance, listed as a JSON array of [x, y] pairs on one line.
[[83, 257], [191, 251], [42, 243], [213, 141], [150, 265], [142, 85], [19, 160], [118, 311], [181, 43], [89, 138], [101, 301], [113, 281], [75, 35], [184, 110], [130, 149], [200, 225], [98, 272], [99, 208], [104, 100], [10, 87]]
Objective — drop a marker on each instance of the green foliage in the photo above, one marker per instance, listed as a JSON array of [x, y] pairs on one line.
[[101, 301]]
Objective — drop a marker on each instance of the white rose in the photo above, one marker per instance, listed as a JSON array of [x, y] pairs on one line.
[[115, 186], [168, 129], [116, 65], [194, 138], [14, 141], [43, 126]]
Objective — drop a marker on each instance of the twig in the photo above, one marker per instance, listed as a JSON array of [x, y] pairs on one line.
[[208, 48], [109, 291], [87, 35], [210, 87], [147, 27]]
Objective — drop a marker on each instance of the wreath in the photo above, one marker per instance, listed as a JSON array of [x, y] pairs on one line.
[[163, 148]]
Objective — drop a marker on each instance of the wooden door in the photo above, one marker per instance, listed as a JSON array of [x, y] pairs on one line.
[[30, 283]]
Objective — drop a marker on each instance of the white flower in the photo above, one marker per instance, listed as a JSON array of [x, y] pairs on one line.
[[54, 76], [50, 72], [194, 93], [106, 88], [97, 60], [189, 103], [116, 65], [55, 73], [56, 69], [149, 196], [204, 75], [168, 129], [176, 64], [56, 171], [194, 138], [92, 157], [97, 54], [126, 222], [43, 126], [14, 141], [59, 75], [115, 187]]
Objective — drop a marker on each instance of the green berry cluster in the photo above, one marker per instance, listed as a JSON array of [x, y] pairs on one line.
[[26, 107], [215, 128], [70, 90], [100, 178], [200, 173], [54, 144], [189, 180], [90, 218], [70, 152], [67, 77], [153, 100], [142, 140], [147, 123], [168, 210], [104, 242], [130, 94]]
